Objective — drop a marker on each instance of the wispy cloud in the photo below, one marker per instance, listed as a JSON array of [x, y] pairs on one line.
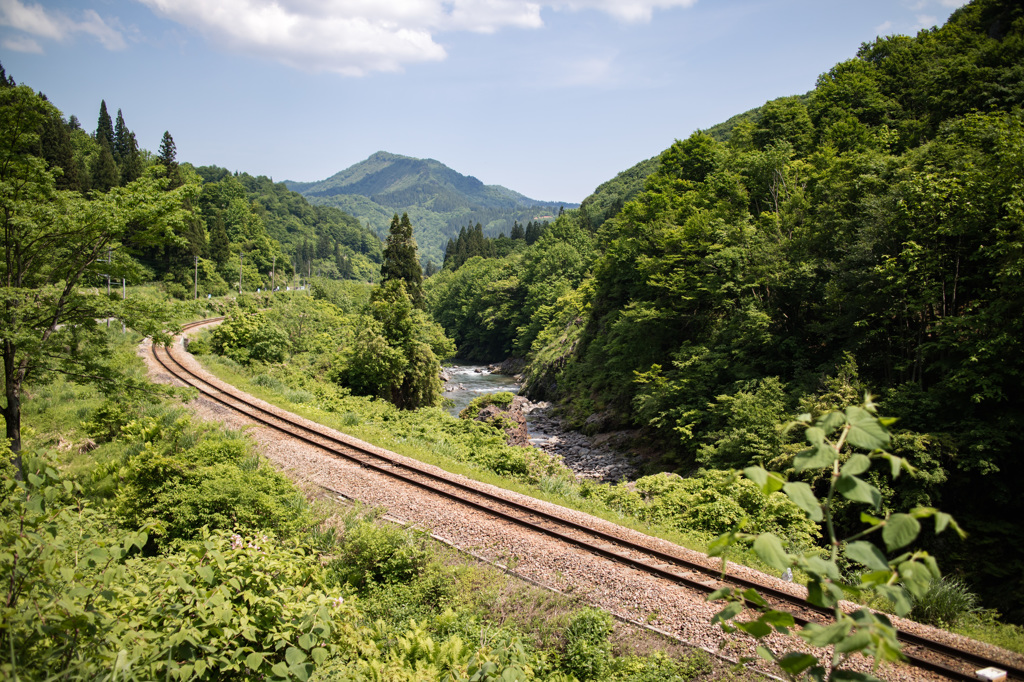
[[39, 22], [23, 44], [356, 37]]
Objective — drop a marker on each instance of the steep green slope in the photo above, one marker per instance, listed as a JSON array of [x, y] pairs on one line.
[[438, 199], [867, 236]]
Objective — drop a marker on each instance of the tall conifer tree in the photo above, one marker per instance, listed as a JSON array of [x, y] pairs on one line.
[[167, 157], [131, 164], [401, 261], [104, 126], [120, 142]]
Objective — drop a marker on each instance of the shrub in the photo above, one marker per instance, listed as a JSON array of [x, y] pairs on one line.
[[375, 555], [249, 338], [587, 648], [945, 604]]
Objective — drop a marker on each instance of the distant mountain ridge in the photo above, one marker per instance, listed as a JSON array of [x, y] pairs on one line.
[[438, 199]]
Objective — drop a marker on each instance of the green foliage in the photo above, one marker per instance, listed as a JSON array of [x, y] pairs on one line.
[[400, 261], [501, 399], [587, 649], [871, 224], [79, 604], [54, 240], [947, 603], [396, 352], [372, 554], [898, 577], [710, 503], [249, 338]]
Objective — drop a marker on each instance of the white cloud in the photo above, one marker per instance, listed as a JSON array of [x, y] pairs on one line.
[[23, 44], [355, 37], [37, 21], [925, 21], [884, 29]]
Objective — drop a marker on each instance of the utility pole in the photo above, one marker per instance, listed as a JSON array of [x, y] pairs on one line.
[[195, 290]]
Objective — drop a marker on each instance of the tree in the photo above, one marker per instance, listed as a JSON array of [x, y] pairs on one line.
[[56, 150], [220, 247], [52, 240], [401, 261], [104, 126], [119, 143], [103, 170], [131, 164], [167, 157]]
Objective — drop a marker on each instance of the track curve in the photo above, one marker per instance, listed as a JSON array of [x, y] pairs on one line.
[[924, 653]]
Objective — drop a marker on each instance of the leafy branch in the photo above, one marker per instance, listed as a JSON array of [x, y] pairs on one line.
[[896, 578]]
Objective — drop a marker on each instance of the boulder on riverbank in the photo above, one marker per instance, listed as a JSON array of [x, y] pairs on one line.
[[503, 411]]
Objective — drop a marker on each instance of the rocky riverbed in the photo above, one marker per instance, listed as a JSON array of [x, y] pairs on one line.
[[601, 457]]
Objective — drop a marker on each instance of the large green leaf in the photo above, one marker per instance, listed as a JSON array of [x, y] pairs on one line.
[[821, 635], [865, 430], [857, 464], [915, 577], [814, 458], [769, 549], [803, 497], [867, 554], [795, 663], [831, 421], [900, 530], [858, 490], [898, 596], [768, 480], [294, 656]]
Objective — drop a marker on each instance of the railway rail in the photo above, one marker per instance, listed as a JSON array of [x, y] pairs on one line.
[[922, 652]]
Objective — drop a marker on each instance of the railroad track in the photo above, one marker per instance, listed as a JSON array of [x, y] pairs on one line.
[[921, 652]]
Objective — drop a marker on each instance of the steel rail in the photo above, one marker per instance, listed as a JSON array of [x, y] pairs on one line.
[[712, 580]]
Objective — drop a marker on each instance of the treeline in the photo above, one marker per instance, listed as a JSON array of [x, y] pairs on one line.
[[865, 237], [241, 231], [472, 242]]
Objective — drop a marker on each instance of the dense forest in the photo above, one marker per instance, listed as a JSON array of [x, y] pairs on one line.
[[865, 237], [232, 217]]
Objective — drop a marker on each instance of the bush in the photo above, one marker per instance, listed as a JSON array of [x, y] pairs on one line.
[[587, 648], [377, 555], [947, 603], [249, 338], [230, 608]]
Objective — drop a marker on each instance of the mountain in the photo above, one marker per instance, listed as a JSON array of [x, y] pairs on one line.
[[439, 200]]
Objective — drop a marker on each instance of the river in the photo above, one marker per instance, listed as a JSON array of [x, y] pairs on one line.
[[472, 381]]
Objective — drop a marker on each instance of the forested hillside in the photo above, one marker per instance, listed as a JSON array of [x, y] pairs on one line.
[[439, 200], [229, 214], [865, 237]]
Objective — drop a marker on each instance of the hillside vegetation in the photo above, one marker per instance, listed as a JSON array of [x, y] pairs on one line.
[[438, 200], [868, 236]]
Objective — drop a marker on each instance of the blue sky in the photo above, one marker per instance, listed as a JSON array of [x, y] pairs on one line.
[[549, 98]]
